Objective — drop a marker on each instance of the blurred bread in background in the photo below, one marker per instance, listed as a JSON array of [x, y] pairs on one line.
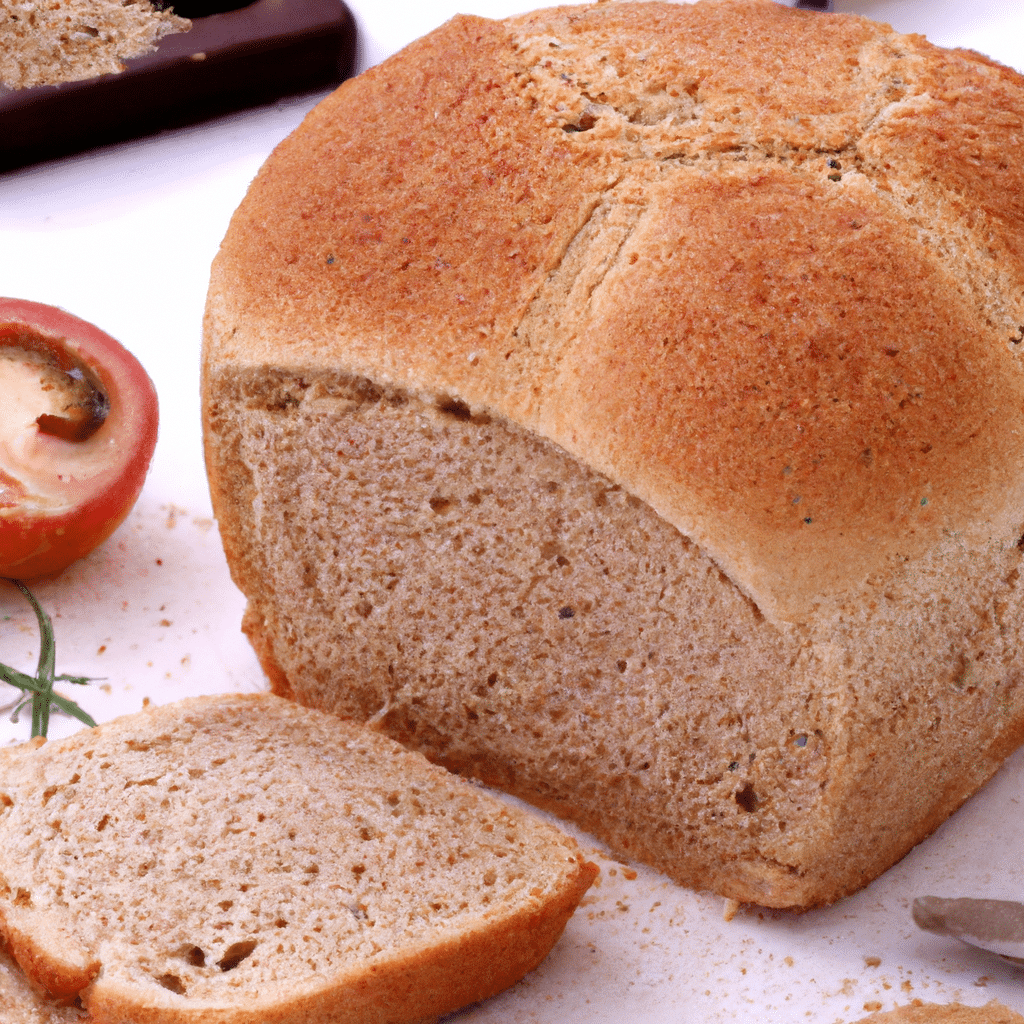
[[44, 42]]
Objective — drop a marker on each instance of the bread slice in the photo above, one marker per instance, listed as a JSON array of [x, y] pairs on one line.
[[46, 42], [622, 404], [947, 1013], [242, 859]]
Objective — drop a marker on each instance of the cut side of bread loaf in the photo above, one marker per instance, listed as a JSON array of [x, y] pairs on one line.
[[45, 42], [243, 859], [630, 419]]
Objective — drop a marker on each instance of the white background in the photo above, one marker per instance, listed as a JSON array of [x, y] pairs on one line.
[[124, 237]]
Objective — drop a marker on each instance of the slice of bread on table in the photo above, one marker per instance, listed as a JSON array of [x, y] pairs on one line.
[[242, 859], [623, 404]]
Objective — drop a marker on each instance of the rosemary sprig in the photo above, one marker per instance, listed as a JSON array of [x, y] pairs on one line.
[[39, 687]]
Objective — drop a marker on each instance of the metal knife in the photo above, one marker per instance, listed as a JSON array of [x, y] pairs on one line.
[[993, 925]]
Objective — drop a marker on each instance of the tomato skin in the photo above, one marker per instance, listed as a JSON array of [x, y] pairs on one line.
[[40, 543]]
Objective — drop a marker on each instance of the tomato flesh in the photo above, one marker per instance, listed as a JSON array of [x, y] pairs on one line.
[[78, 425]]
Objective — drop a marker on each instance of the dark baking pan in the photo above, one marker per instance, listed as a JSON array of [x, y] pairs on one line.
[[228, 61]]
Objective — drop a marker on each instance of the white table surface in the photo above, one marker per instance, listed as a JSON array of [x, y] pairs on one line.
[[124, 237]]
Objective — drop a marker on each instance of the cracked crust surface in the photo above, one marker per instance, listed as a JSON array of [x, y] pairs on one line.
[[612, 404], [694, 244], [238, 858]]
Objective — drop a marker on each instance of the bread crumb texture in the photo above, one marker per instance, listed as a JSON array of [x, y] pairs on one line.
[[622, 404], [244, 859], [44, 42]]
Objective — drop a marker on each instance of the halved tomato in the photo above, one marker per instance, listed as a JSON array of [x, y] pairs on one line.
[[78, 425]]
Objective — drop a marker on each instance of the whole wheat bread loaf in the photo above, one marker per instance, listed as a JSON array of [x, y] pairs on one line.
[[240, 859], [622, 404]]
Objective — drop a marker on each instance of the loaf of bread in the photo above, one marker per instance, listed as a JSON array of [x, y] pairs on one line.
[[240, 859], [949, 1013], [43, 42], [622, 404]]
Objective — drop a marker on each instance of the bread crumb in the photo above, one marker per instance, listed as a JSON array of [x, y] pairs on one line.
[[873, 961], [731, 909]]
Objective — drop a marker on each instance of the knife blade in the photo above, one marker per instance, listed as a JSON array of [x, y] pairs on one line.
[[993, 925]]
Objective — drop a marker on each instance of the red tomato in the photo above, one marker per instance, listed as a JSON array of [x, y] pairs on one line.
[[78, 422]]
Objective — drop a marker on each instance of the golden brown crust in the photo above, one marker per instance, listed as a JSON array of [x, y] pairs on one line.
[[23, 1004], [262, 644], [869, 436], [53, 959], [817, 319]]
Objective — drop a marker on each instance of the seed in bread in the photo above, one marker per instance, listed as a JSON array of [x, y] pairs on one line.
[[241, 859], [622, 404]]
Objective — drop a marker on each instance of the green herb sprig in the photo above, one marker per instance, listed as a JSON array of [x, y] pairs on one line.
[[39, 688]]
